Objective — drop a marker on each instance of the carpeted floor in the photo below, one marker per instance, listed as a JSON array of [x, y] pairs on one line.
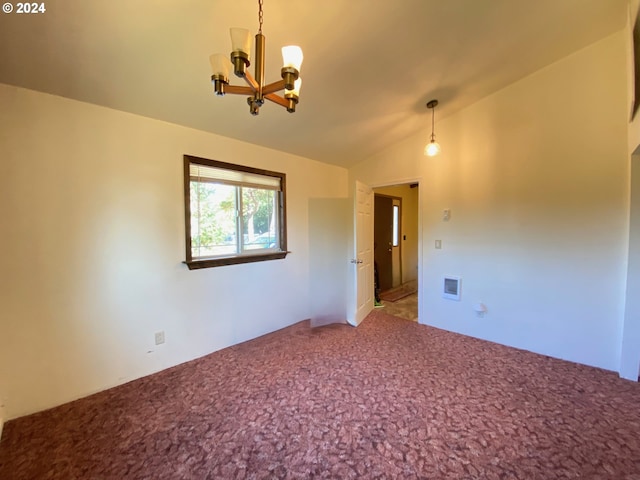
[[389, 399]]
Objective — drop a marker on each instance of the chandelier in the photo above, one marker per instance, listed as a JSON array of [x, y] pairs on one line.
[[256, 89]]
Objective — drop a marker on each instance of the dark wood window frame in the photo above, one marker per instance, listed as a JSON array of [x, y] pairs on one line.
[[197, 263]]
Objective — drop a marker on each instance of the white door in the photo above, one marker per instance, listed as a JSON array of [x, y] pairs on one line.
[[363, 254]]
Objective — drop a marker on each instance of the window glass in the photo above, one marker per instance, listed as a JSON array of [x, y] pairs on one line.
[[396, 232]]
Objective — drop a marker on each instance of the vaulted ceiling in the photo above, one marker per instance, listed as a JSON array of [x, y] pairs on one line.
[[369, 69]]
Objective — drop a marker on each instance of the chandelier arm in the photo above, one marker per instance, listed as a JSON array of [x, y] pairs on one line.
[[238, 90], [253, 84], [273, 87], [275, 98]]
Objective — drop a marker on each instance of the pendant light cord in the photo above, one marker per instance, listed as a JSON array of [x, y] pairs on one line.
[[260, 16], [433, 114]]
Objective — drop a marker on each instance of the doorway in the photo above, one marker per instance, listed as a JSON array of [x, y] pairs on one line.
[[396, 249]]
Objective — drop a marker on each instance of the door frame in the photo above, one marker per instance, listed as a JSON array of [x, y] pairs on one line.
[[404, 181]]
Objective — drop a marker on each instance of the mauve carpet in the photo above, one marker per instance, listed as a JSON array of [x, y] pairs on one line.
[[389, 399]]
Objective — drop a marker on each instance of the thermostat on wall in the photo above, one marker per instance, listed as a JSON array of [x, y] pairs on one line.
[[451, 288]]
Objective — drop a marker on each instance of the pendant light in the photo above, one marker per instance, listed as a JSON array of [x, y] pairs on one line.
[[432, 148]]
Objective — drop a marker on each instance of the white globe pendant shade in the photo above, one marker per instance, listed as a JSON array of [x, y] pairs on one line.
[[432, 149]]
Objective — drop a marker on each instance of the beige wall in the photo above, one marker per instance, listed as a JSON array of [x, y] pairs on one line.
[[93, 243], [536, 177]]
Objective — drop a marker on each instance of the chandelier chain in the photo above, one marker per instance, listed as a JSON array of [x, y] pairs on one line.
[[260, 15]]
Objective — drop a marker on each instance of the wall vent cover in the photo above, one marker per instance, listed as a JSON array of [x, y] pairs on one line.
[[451, 287]]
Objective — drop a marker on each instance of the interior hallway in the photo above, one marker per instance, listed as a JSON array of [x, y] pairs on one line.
[[405, 307]]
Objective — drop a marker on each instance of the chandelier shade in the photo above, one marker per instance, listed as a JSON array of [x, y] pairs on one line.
[[296, 88], [292, 57], [220, 65], [240, 40]]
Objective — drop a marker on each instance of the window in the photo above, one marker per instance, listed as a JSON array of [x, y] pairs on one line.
[[233, 214], [396, 226]]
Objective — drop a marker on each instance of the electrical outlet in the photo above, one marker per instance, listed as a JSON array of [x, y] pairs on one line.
[[480, 309], [159, 338]]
